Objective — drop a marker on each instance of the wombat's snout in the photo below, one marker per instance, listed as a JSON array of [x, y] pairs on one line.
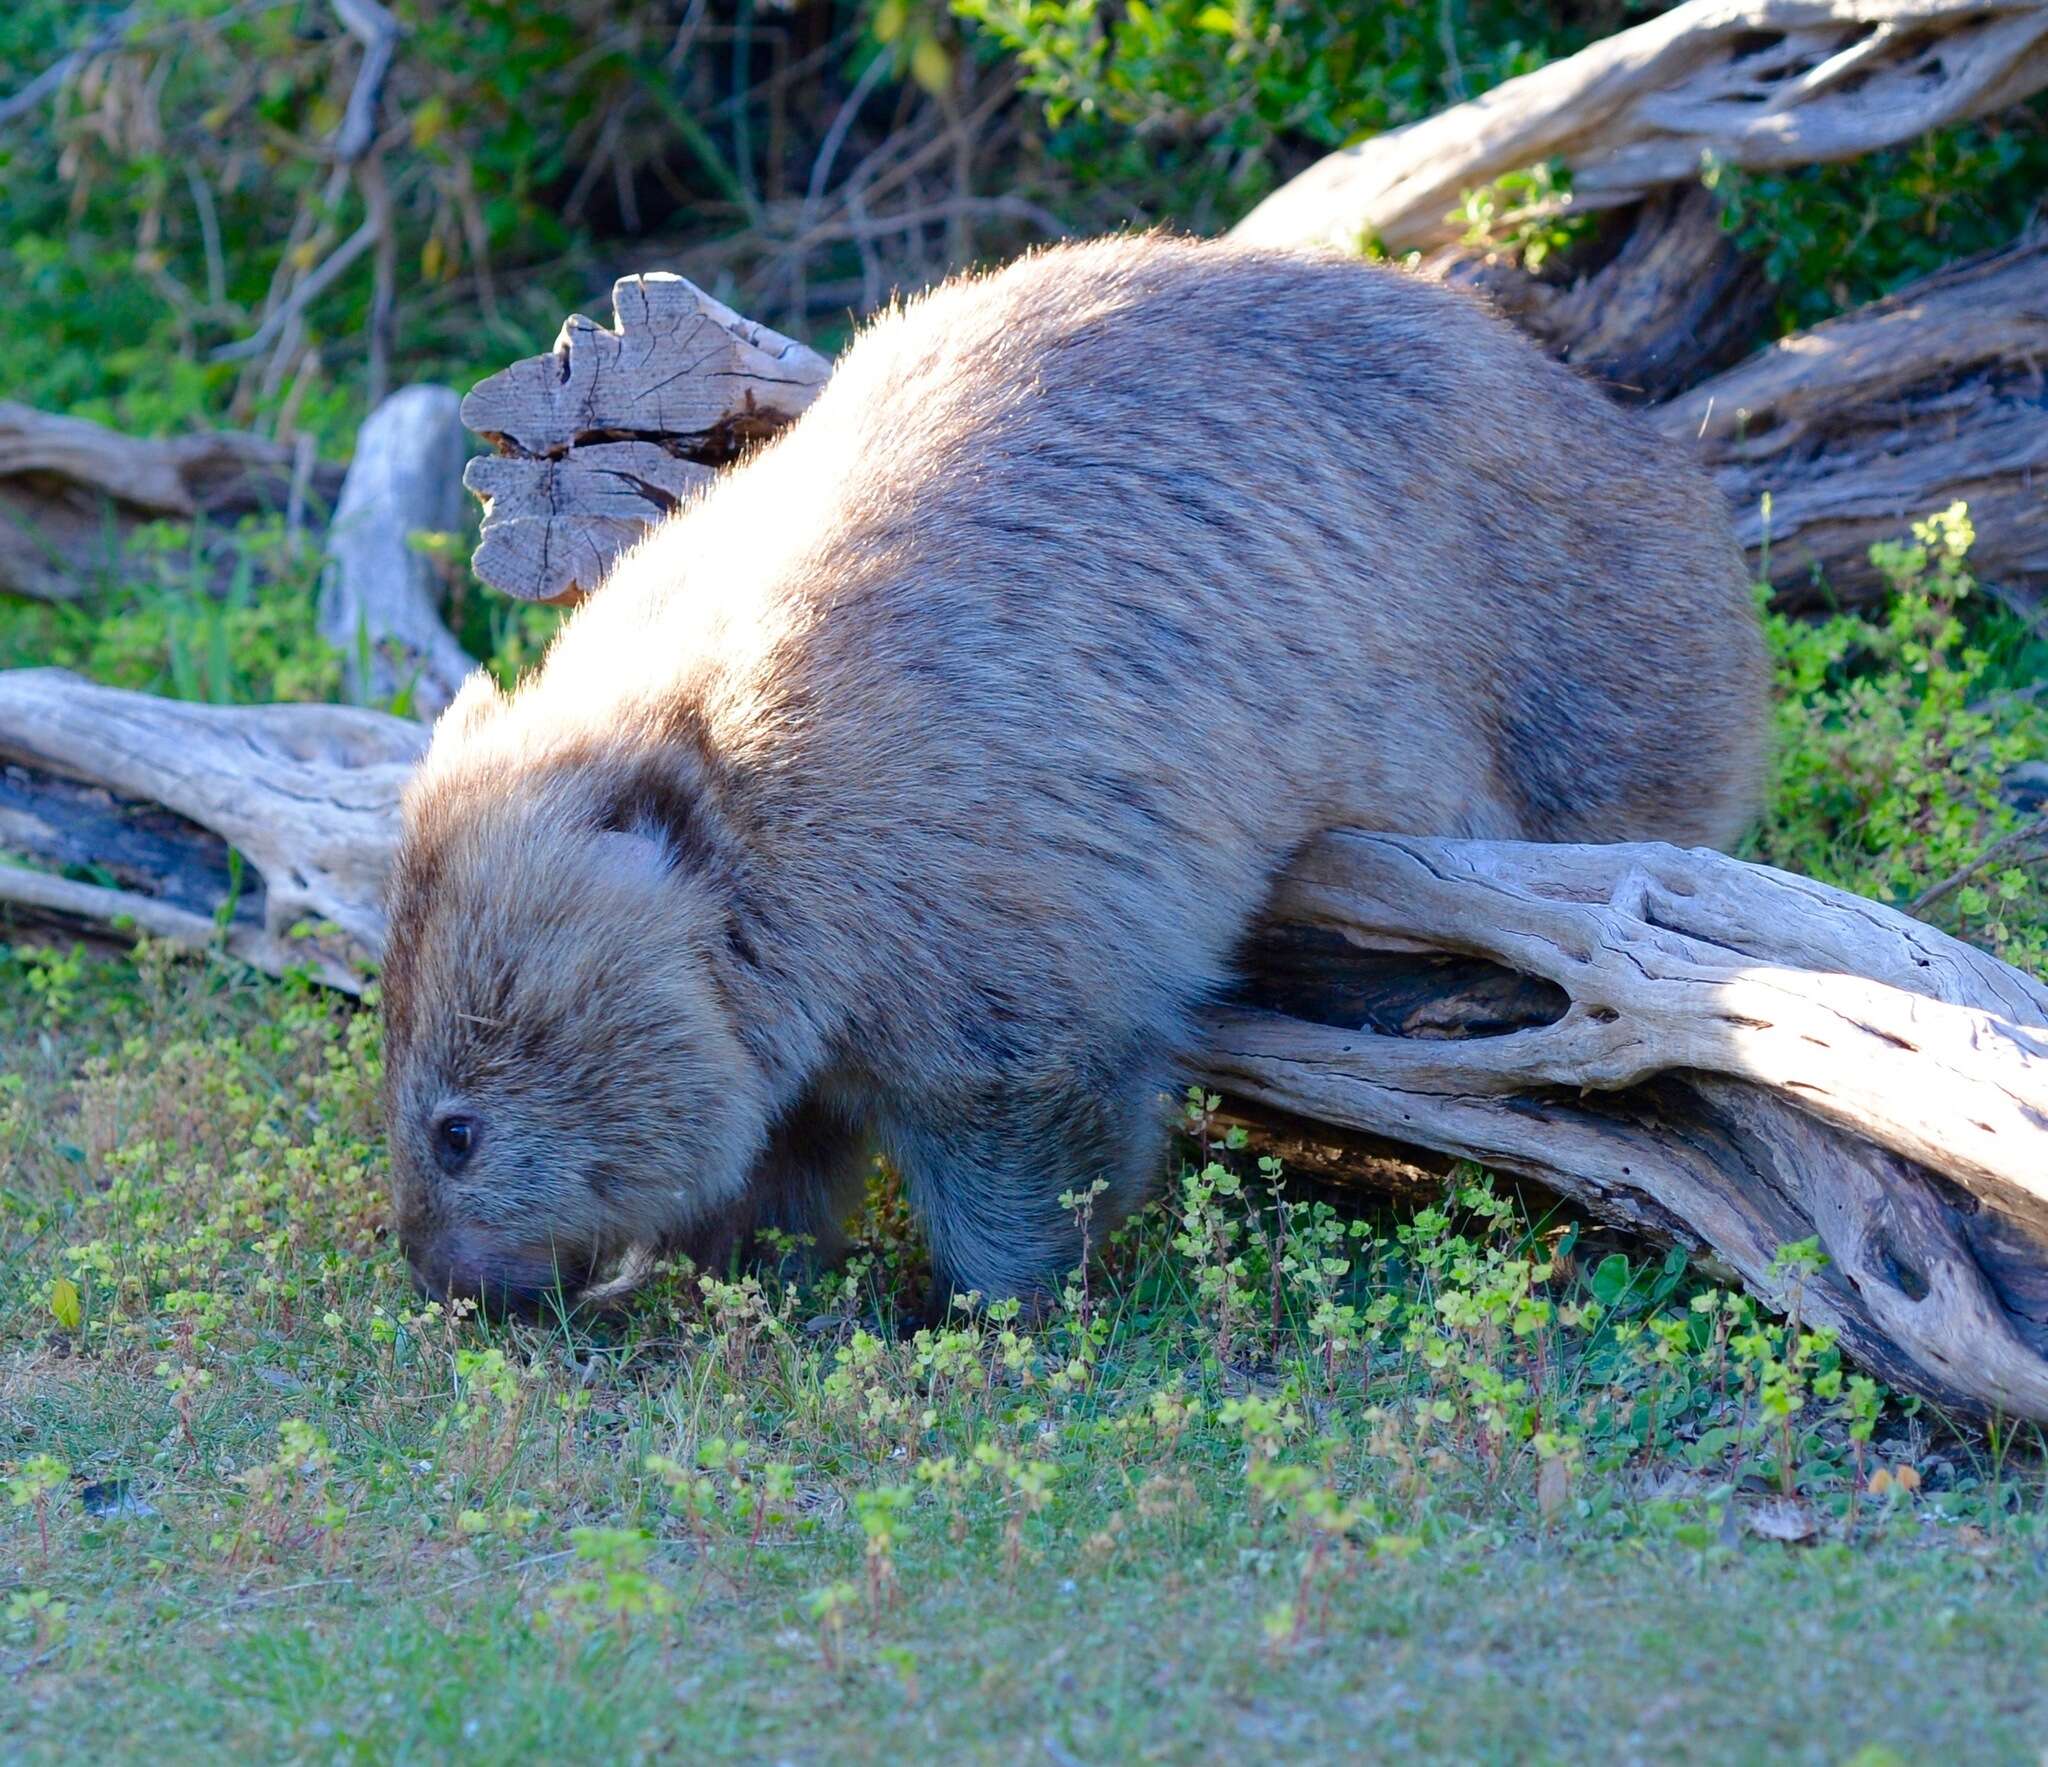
[[460, 1263]]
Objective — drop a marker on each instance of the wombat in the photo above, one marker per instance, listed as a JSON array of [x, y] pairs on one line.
[[916, 784]]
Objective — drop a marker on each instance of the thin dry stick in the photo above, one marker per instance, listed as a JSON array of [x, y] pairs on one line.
[[2036, 830], [209, 237], [307, 292], [383, 322], [371, 25], [60, 70]]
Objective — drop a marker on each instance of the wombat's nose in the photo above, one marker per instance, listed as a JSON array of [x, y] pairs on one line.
[[461, 1264]]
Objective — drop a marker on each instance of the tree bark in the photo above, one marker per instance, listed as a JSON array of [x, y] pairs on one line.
[[1932, 396], [1635, 1052]]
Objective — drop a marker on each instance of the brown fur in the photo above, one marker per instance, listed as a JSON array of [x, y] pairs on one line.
[[922, 778]]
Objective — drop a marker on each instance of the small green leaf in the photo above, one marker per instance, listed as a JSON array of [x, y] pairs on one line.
[[64, 1303], [930, 65], [1610, 1279]]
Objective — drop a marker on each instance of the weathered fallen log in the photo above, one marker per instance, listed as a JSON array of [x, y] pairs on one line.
[[1672, 302], [71, 491], [1683, 1065], [1935, 395], [263, 829], [1756, 83], [615, 428], [1704, 1052], [378, 605]]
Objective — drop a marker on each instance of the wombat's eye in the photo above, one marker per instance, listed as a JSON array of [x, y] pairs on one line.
[[454, 1140]]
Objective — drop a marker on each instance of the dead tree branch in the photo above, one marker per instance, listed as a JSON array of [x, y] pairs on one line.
[[374, 27], [52, 78], [1674, 302], [1756, 83]]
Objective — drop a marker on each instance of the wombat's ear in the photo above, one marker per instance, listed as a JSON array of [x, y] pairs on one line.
[[638, 854], [480, 700]]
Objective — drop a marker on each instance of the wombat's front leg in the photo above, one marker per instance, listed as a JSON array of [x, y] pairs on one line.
[[985, 1173], [810, 1179], [807, 1183]]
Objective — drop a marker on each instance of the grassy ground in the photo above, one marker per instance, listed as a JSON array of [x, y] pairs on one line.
[[1486, 1491]]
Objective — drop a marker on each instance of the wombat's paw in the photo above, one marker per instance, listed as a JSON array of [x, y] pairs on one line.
[[616, 1284]]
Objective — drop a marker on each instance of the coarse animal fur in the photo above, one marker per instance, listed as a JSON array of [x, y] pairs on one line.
[[919, 781]]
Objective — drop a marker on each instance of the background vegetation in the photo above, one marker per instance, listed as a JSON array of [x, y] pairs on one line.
[[1286, 1474]]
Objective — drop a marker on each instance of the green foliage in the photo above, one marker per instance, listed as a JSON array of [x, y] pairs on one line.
[[158, 206], [1833, 237], [1525, 214], [613, 1586], [191, 613], [1194, 109], [1896, 734]]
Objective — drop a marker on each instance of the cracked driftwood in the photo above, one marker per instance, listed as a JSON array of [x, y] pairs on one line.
[[70, 492], [1756, 83], [614, 428], [1704, 1052], [263, 828]]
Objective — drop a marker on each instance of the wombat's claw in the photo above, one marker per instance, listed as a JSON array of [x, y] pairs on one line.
[[635, 1264]]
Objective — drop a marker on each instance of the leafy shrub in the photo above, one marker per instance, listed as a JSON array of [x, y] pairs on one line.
[[1833, 237], [1193, 109], [1897, 734]]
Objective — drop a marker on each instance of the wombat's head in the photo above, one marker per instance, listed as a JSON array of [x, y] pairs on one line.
[[563, 1083]]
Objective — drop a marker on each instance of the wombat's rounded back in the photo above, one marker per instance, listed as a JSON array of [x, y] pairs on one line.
[[1327, 527]]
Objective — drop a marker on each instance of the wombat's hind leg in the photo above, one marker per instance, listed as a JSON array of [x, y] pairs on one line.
[[985, 1174]]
